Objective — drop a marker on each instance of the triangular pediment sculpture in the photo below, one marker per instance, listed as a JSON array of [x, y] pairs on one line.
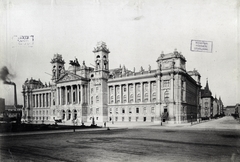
[[69, 77]]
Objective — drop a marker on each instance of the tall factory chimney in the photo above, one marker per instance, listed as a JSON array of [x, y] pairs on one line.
[[4, 76]]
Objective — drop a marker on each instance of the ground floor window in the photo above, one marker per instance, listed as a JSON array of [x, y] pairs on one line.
[[116, 118], [129, 118], [152, 119], [144, 119], [122, 118], [136, 118]]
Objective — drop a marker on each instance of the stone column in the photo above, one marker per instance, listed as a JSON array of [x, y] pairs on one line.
[[184, 90], [86, 93], [66, 96], [36, 100], [171, 105], [77, 94], [120, 92], [142, 92], [114, 94], [149, 91], [134, 92], [71, 94], [45, 99], [82, 100], [127, 93], [40, 100], [60, 95]]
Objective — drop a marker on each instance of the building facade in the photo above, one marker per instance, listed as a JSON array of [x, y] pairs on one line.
[[166, 94], [210, 106]]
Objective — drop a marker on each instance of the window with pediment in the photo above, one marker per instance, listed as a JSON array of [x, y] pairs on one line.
[[138, 98], [97, 111], [145, 110], [118, 99], [124, 99], [152, 110], [154, 96], [110, 110], [97, 99], [137, 110], [91, 99], [166, 83], [166, 96], [130, 110]]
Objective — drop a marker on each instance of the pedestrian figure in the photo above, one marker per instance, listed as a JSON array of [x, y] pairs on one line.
[[104, 124]]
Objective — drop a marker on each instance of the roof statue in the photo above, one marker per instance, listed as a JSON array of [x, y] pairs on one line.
[[74, 63], [57, 58], [101, 46]]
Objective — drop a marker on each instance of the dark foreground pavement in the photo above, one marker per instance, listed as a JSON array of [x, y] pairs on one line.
[[138, 144]]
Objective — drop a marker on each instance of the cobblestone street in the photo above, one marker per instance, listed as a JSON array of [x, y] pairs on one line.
[[150, 143]]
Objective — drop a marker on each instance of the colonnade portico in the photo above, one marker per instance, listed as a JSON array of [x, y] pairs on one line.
[[42, 99], [71, 94]]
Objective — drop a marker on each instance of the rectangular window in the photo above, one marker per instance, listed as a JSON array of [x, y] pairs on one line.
[[122, 118], [152, 110], [97, 110], [130, 111], [123, 110]]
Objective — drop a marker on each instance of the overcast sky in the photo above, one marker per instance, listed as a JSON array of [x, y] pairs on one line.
[[135, 31]]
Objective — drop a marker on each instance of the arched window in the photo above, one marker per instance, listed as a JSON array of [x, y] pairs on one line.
[[63, 115], [75, 114], [69, 115], [98, 56]]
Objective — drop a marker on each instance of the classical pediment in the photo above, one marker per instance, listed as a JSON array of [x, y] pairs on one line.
[[69, 77]]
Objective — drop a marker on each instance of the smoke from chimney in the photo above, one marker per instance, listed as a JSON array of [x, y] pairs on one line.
[[4, 73]]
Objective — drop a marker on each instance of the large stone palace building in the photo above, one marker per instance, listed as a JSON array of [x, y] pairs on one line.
[[166, 94]]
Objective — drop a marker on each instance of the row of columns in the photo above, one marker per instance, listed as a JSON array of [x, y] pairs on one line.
[[71, 94], [42, 100], [134, 92]]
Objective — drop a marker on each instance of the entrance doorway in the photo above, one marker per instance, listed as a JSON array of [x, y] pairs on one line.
[[144, 119]]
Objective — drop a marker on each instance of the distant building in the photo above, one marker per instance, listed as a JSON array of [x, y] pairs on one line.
[[230, 110], [237, 110], [2, 106], [210, 106], [166, 94], [13, 111]]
